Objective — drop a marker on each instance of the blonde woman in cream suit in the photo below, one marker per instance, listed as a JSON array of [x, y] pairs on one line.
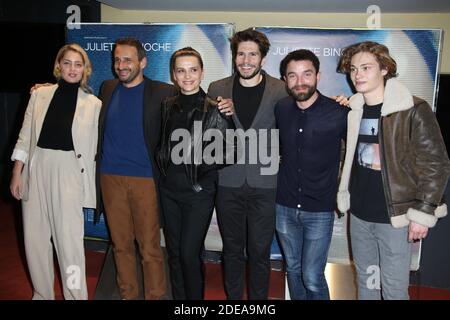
[[54, 174]]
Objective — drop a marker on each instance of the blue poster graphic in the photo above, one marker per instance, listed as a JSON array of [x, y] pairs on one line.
[[159, 41], [417, 53]]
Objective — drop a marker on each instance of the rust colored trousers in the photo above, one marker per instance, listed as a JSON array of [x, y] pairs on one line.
[[132, 214]]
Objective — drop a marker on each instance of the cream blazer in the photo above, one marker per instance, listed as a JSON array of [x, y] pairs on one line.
[[84, 135]]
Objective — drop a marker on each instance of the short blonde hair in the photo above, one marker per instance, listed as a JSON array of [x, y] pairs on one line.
[[87, 65]]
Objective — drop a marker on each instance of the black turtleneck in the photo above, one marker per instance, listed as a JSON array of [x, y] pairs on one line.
[[56, 130], [187, 104]]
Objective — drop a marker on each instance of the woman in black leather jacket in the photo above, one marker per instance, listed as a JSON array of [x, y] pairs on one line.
[[189, 171]]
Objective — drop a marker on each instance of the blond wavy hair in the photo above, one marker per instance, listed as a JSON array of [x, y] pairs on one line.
[[379, 51], [87, 65]]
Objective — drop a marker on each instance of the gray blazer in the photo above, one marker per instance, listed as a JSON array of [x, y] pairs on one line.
[[249, 171]]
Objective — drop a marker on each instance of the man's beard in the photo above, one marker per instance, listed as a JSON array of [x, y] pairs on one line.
[[302, 96], [133, 74], [252, 75]]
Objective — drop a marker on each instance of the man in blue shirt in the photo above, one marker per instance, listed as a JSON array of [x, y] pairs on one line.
[[127, 173], [311, 127], [127, 176]]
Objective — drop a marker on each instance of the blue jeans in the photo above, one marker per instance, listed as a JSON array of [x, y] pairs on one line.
[[305, 239]]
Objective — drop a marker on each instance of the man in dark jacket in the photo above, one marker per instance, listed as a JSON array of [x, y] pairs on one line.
[[245, 200], [311, 128], [127, 173], [129, 129], [396, 169]]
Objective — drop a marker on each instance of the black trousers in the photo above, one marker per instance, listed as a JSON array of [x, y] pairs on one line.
[[246, 218], [187, 215]]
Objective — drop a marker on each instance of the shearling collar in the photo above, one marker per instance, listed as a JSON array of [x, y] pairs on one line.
[[396, 98]]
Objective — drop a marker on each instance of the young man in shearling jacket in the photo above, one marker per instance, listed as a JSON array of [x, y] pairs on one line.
[[395, 171]]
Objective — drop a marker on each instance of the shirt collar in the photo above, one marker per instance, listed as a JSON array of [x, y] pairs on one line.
[[314, 107]]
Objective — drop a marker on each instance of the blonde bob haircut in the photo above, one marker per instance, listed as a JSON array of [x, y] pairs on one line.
[[87, 65]]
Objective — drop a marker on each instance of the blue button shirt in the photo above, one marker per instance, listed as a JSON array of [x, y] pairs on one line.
[[310, 145]]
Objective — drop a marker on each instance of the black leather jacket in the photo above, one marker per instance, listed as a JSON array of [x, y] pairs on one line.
[[208, 114]]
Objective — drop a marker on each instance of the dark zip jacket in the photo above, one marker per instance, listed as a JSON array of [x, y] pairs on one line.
[[205, 115]]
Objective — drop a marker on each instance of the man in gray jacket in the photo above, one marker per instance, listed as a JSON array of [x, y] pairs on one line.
[[246, 194]]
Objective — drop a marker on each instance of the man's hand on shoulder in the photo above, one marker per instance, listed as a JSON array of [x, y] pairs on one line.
[[38, 85], [225, 106], [341, 99]]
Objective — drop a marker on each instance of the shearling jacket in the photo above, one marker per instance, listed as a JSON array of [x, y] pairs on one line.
[[206, 113], [414, 163]]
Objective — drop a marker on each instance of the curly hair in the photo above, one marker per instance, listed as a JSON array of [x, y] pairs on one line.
[[87, 65], [379, 51], [250, 35]]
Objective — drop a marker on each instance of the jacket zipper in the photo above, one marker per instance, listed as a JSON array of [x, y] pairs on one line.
[[163, 134], [384, 175]]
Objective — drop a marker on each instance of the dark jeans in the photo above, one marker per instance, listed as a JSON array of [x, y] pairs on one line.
[[246, 218], [187, 215]]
